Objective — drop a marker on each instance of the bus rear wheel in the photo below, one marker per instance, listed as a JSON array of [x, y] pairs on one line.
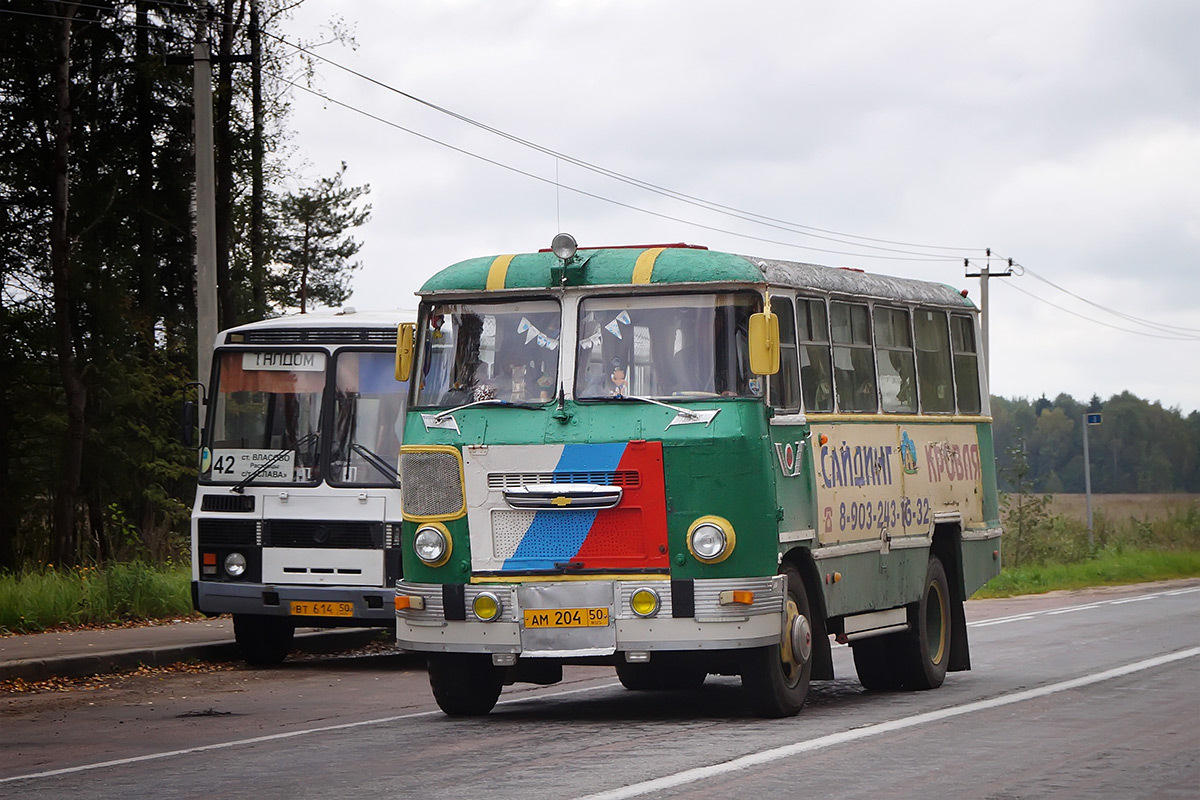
[[875, 663], [263, 641], [465, 684], [925, 653], [776, 678]]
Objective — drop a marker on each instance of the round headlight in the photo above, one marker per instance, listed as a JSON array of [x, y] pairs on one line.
[[432, 545], [644, 602], [711, 539], [235, 565], [486, 606]]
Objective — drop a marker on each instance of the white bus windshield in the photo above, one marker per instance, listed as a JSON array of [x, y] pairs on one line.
[[489, 351], [674, 346], [368, 420], [265, 404]]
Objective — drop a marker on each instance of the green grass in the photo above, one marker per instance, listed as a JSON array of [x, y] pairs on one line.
[[1108, 568], [34, 600]]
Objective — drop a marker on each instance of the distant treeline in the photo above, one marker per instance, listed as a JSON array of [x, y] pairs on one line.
[[1138, 446]]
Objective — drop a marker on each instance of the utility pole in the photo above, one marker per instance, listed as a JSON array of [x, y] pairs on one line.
[[1090, 418], [206, 213], [984, 273]]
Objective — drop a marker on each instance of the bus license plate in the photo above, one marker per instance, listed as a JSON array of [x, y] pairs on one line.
[[566, 617], [306, 608]]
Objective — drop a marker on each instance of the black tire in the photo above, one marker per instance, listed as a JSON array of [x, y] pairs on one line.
[[925, 652], [663, 672], [263, 641], [465, 684], [875, 660], [776, 678]]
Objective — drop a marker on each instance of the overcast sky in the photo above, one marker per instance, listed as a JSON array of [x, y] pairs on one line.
[[1064, 135]]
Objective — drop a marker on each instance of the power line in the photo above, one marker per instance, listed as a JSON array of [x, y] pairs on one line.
[[748, 216], [1099, 322], [1128, 317], [593, 195]]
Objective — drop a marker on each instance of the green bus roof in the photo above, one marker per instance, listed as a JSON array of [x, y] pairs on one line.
[[679, 264]]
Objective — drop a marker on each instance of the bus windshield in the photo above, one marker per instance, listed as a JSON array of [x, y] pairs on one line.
[[266, 403], [368, 419], [666, 346], [489, 351]]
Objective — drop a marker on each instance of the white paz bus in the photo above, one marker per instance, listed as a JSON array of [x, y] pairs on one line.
[[297, 513]]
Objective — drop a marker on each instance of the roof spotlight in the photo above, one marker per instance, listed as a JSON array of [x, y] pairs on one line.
[[564, 246]]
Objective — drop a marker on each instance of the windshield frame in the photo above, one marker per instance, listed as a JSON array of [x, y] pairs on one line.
[[330, 438], [534, 334], [752, 387], [210, 461]]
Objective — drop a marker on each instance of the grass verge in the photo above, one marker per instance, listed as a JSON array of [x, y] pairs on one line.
[[36, 600], [1108, 568]]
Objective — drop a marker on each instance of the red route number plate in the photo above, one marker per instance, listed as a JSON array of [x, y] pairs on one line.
[[306, 608], [566, 617]]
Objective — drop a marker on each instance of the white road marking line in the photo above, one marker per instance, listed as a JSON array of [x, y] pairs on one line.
[[117, 762], [983, 623], [1072, 609], [786, 751]]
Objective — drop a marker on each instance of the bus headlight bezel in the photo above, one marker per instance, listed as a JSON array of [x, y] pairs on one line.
[[235, 565], [644, 602], [711, 539], [432, 544], [487, 607]]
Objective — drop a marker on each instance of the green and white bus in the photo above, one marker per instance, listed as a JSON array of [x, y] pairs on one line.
[[683, 462]]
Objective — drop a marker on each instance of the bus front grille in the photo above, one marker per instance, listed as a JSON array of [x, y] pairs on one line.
[[322, 533], [431, 483]]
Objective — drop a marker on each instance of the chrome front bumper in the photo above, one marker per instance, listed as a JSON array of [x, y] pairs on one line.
[[719, 620]]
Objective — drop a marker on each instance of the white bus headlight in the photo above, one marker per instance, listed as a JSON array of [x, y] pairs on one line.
[[235, 565], [432, 544], [711, 539]]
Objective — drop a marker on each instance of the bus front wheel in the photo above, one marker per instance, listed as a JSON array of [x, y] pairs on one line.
[[263, 641], [776, 678], [465, 684]]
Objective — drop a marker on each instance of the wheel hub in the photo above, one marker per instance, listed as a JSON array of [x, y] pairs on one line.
[[800, 634]]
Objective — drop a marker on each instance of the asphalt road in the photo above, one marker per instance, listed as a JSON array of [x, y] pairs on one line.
[[1092, 694]]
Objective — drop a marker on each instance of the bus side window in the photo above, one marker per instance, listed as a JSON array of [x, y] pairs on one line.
[[785, 384], [853, 359], [816, 374], [894, 358], [966, 364], [933, 363]]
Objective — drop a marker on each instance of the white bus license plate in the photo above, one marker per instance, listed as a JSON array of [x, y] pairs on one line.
[[306, 608]]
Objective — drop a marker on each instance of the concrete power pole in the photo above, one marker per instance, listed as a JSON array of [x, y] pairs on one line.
[[984, 274], [206, 222]]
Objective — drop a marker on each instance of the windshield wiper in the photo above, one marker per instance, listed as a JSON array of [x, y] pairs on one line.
[[687, 412], [494, 401], [378, 462], [306, 439]]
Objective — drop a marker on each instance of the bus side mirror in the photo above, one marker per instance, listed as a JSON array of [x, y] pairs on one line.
[[764, 344], [404, 350], [187, 423]]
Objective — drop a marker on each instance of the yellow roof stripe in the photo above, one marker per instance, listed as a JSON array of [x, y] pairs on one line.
[[498, 272], [645, 265]]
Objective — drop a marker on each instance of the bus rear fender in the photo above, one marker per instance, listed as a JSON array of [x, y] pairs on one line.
[[947, 546]]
